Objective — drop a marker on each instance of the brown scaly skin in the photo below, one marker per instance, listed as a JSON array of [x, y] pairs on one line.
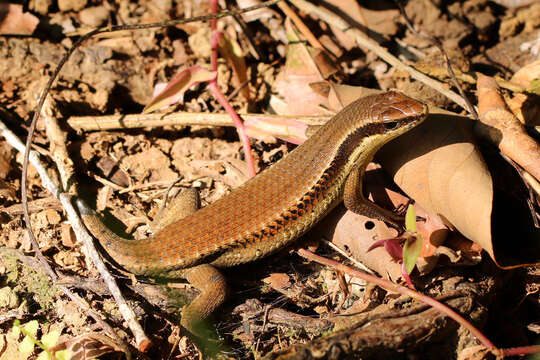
[[271, 210]]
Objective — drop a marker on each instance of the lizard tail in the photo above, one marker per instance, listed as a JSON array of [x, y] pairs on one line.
[[114, 244]]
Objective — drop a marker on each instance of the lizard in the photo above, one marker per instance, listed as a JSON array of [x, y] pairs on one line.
[[269, 211]]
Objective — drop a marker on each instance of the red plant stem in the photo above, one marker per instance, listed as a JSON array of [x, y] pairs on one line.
[[522, 350], [222, 99], [390, 286], [239, 126]]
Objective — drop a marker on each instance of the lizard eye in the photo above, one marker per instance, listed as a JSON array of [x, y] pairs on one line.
[[390, 125]]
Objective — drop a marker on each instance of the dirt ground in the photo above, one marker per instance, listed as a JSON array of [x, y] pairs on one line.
[[126, 173]]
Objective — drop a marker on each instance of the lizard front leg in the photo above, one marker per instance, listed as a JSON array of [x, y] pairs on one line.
[[355, 201]]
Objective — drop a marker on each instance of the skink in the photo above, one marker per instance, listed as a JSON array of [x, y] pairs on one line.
[[271, 210]]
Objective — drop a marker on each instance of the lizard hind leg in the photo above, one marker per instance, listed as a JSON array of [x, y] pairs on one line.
[[204, 277], [355, 201], [181, 206]]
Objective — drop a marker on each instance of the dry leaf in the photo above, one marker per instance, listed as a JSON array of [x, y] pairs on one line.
[[286, 129], [304, 65], [180, 83], [89, 346], [231, 51], [278, 281], [527, 74], [436, 172], [355, 234]]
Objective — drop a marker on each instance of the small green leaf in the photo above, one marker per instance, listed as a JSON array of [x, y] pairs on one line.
[[535, 87], [44, 356], [31, 327], [26, 347], [16, 329], [63, 354], [411, 251], [410, 219], [50, 339]]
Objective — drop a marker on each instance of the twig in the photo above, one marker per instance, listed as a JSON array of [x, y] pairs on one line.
[[371, 45], [348, 257], [238, 124], [390, 286], [311, 39], [50, 185], [65, 167], [110, 122]]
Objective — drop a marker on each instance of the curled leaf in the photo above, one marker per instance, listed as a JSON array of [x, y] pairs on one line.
[[392, 246], [178, 85]]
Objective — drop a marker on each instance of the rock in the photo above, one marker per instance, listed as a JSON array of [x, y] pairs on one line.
[[94, 16], [40, 6], [68, 5], [8, 298]]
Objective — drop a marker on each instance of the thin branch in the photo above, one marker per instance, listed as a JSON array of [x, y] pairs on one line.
[[110, 122], [214, 88], [311, 39]]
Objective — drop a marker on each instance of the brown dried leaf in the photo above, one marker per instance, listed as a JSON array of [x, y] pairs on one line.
[[437, 171], [527, 74], [176, 87], [355, 234], [278, 281], [67, 235], [304, 65], [231, 51]]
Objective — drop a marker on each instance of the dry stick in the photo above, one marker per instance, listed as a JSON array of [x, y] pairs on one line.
[[312, 40], [109, 122], [253, 48], [57, 138], [52, 187], [371, 45], [48, 86]]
